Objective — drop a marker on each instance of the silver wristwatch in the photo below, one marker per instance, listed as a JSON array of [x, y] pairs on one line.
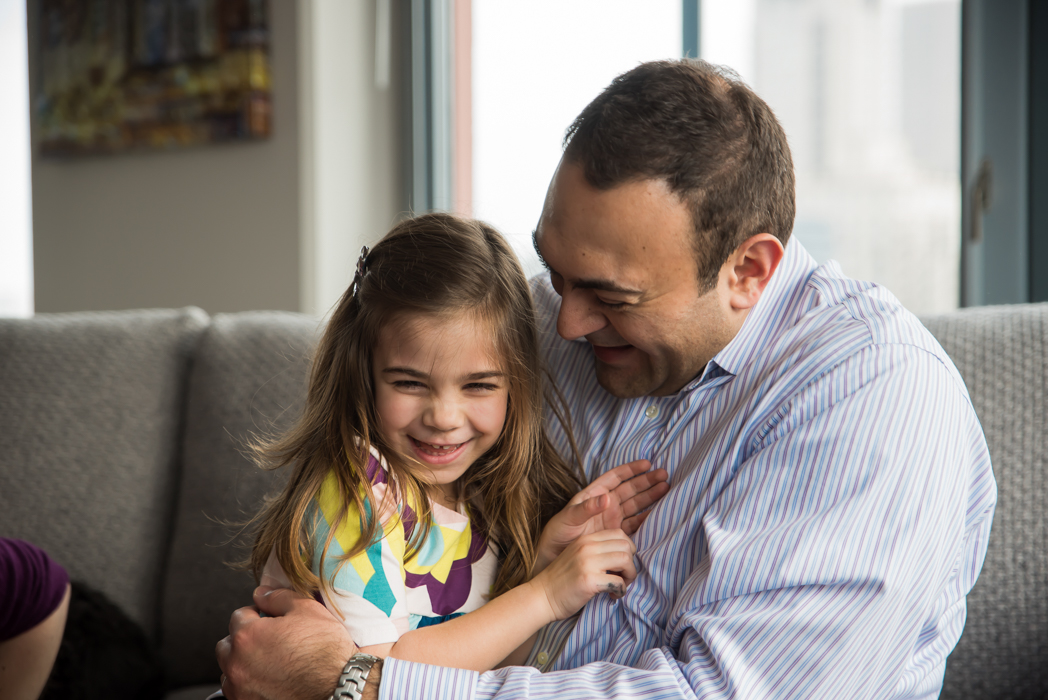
[[354, 676]]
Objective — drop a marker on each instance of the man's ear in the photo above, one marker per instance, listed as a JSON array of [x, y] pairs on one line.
[[749, 269]]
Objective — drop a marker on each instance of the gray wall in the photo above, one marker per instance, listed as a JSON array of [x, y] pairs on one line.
[[216, 227], [267, 225]]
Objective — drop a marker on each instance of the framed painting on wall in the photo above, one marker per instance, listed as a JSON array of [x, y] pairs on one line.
[[123, 75]]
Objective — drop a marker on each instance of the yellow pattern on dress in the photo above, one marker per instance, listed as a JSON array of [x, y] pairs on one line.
[[349, 532]]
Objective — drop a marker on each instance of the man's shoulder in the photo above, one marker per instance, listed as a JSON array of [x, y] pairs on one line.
[[870, 305], [843, 319]]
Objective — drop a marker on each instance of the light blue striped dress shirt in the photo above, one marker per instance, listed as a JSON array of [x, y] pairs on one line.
[[830, 507]]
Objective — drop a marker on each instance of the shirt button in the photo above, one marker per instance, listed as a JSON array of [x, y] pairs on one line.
[[542, 658], [651, 411]]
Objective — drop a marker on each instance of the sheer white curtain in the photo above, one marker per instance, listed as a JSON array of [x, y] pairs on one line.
[[16, 261], [536, 64]]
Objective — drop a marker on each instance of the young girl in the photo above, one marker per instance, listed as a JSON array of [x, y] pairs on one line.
[[423, 476]]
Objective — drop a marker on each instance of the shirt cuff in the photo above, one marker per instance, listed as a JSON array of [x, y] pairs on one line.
[[407, 680]]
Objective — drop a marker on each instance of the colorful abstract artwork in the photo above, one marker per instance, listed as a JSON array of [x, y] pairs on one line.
[[123, 75]]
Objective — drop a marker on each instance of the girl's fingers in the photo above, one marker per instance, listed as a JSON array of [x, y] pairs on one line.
[[578, 514], [610, 555], [627, 570], [609, 538], [613, 478], [642, 484], [613, 585], [643, 499], [631, 525]]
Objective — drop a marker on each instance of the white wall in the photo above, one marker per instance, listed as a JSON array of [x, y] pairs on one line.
[[352, 155]]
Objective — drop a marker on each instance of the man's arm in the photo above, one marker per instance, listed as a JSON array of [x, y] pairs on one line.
[[296, 653]]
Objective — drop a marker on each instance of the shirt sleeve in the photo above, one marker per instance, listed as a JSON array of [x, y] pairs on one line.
[[835, 554], [32, 586]]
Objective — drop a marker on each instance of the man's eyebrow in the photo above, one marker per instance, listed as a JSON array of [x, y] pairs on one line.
[[605, 286], [535, 245]]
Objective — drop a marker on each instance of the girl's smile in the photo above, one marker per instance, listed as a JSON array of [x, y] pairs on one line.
[[437, 454], [440, 394]]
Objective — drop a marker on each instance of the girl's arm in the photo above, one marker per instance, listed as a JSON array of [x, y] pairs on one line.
[[481, 639], [616, 499], [504, 630]]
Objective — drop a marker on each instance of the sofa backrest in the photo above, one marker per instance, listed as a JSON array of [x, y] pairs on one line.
[[1002, 353], [91, 406], [248, 378], [102, 449]]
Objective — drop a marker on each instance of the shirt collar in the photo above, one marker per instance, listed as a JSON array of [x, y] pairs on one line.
[[766, 319]]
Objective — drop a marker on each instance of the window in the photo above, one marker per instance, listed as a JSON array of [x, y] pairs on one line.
[[869, 95], [16, 266], [535, 66]]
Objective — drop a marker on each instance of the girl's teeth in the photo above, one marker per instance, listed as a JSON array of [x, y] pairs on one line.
[[439, 448]]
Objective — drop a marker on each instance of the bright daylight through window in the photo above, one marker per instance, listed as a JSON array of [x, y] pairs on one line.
[[867, 90], [16, 261]]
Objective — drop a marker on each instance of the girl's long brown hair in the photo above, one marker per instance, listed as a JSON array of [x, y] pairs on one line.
[[437, 265]]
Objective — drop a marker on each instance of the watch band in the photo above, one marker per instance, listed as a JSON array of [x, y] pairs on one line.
[[354, 676]]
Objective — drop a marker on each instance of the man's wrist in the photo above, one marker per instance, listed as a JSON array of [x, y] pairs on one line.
[[374, 678], [360, 674]]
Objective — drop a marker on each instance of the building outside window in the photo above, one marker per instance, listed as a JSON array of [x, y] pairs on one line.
[[867, 91]]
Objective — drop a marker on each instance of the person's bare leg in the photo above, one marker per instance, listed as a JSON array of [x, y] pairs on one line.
[[26, 660]]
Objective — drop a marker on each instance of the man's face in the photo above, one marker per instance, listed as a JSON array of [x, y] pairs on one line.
[[623, 262]]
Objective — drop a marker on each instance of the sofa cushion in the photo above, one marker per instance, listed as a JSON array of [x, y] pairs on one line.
[[248, 378], [90, 420], [1002, 353]]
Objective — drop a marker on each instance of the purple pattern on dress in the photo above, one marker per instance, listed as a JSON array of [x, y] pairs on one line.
[[375, 471], [448, 597], [451, 595]]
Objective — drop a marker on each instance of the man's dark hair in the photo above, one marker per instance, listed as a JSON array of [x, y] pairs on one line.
[[698, 127]]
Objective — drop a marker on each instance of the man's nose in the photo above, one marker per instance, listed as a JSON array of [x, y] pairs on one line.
[[578, 316], [443, 413]]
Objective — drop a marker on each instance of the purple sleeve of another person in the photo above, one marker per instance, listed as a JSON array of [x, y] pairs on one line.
[[31, 587]]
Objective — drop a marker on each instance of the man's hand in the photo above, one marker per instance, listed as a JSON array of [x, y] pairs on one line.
[[615, 500], [297, 653]]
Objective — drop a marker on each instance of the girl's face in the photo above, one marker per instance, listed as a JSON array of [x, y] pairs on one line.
[[441, 394]]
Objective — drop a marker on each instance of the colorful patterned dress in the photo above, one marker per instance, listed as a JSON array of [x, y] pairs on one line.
[[380, 595]]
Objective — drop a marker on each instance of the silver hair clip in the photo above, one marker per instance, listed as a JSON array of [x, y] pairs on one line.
[[362, 263]]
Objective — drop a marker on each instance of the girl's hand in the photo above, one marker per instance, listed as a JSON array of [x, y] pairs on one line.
[[600, 562], [615, 500]]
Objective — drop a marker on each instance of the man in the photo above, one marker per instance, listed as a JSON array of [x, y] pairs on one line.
[[831, 490]]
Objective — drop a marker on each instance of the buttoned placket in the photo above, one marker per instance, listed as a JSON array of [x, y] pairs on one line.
[[684, 405]]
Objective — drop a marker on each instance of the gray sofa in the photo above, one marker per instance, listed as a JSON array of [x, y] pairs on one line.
[[122, 439]]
